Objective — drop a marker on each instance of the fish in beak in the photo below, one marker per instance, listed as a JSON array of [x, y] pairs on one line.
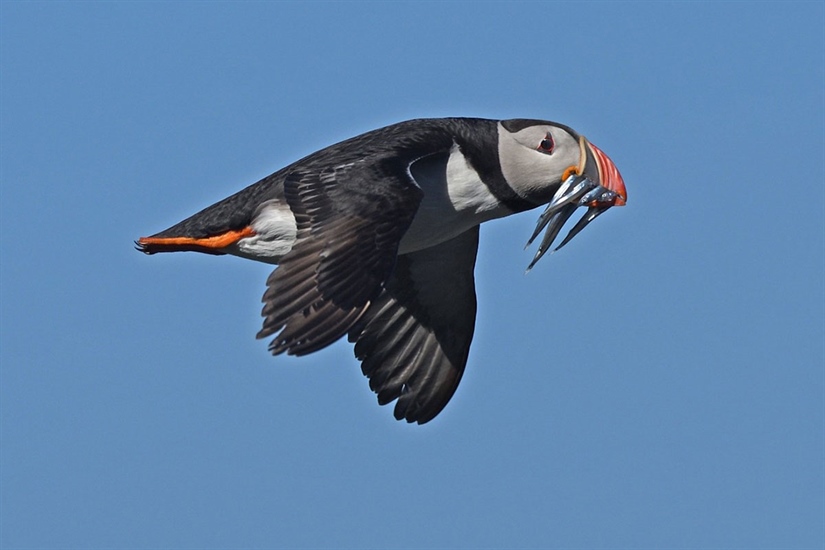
[[595, 184]]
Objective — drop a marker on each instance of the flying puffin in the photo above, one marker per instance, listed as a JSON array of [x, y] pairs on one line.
[[375, 238]]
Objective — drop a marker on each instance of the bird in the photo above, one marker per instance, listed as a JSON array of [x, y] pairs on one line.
[[375, 238]]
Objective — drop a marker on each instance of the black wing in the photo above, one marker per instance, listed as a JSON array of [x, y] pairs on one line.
[[350, 219], [414, 339]]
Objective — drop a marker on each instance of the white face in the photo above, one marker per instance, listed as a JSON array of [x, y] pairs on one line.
[[534, 159]]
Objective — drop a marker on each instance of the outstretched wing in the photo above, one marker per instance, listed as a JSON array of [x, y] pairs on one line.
[[414, 339], [350, 219]]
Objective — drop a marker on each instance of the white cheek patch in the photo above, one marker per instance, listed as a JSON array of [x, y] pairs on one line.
[[529, 171], [275, 232]]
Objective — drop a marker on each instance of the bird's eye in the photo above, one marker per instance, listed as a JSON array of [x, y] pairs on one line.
[[547, 144]]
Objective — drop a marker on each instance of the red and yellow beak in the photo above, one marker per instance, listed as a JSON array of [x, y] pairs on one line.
[[600, 169], [595, 183]]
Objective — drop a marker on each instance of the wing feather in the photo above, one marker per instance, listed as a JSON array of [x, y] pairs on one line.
[[413, 341], [349, 219]]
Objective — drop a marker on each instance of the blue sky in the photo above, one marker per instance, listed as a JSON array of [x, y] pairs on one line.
[[659, 383]]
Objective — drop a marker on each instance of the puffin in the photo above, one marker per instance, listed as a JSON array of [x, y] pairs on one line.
[[375, 238]]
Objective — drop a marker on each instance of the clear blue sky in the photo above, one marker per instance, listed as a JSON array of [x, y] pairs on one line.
[[659, 383]]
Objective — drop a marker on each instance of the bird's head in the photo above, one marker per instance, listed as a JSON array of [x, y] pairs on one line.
[[549, 163]]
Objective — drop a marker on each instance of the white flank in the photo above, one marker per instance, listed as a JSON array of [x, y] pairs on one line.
[[455, 200], [465, 188], [275, 232]]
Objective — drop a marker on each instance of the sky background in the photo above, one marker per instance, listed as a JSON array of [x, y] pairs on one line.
[[659, 383]]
